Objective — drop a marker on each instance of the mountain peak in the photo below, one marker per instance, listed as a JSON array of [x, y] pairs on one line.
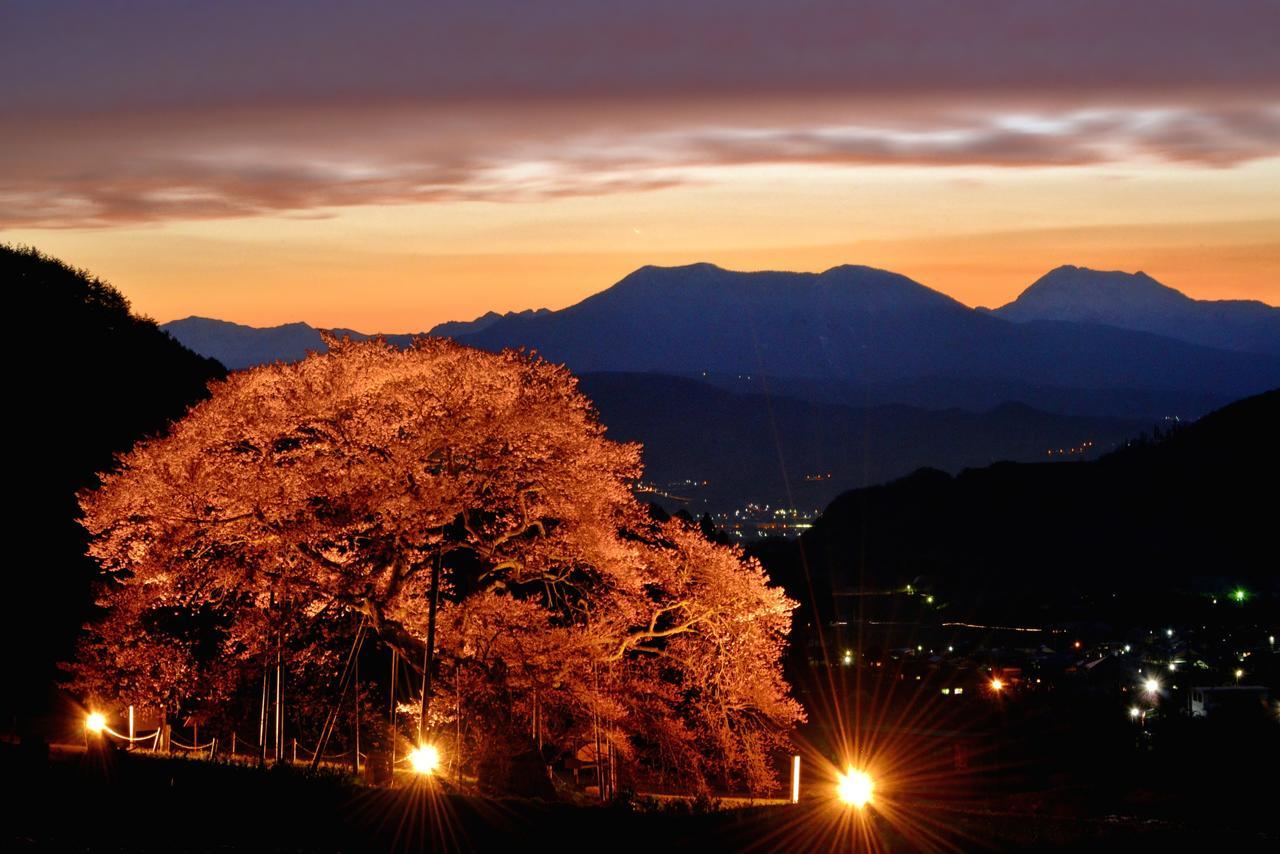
[[1139, 302], [1081, 294]]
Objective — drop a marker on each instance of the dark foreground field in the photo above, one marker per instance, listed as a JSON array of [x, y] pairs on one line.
[[77, 802]]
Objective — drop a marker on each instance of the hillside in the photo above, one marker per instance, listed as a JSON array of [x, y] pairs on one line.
[[1193, 511], [114, 379]]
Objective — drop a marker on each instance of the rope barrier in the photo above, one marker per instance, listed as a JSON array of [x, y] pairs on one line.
[[153, 736], [243, 746]]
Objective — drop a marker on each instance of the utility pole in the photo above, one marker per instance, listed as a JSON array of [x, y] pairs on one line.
[[355, 758], [391, 716], [428, 657]]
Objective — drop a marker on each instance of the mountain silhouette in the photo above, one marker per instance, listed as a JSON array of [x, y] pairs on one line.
[[239, 346], [456, 328], [859, 326], [852, 335], [1137, 301]]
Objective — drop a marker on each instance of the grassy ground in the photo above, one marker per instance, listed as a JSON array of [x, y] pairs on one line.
[[119, 802]]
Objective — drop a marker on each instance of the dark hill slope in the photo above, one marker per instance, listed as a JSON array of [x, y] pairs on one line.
[[1194, 510], [113, 378]]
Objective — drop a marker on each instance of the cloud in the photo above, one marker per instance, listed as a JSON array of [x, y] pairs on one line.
[[149, 110], [185, 166]]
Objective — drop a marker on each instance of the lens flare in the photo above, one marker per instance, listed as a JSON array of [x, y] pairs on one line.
[[854, 787], [96, 722], [424, 759]]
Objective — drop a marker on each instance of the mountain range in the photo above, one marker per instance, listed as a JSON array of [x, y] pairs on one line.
[[1077, 341]]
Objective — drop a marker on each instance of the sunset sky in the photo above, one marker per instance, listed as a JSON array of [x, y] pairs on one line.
[[390, 165]]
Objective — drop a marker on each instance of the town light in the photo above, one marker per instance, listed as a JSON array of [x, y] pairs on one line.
[[1135, 712], [95, 723], [1151, 686], [997, 685], [424, 759], [854, 787]]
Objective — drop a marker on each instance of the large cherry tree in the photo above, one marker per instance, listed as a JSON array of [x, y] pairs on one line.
[[304, 504]]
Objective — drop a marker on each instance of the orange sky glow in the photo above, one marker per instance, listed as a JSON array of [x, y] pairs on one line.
[[206, 163]]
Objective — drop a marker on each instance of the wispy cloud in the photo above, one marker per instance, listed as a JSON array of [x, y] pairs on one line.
[[183, 167]]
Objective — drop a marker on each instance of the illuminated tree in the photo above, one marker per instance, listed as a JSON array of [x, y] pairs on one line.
[[304, 503]]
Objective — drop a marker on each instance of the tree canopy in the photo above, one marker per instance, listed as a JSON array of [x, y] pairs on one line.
[[305, 504]]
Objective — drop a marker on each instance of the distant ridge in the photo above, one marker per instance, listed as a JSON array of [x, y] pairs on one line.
[[239, 346], [455, 328], [860, 335]]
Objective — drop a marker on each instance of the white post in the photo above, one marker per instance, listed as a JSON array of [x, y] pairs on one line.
[[795, 779], [131, 727]]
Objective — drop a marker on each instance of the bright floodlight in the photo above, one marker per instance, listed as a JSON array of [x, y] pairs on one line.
[[854, 787], [997, 685], [96, 722], [1151, 686], [424, 759]]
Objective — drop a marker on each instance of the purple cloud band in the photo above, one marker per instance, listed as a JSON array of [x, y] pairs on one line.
[[254, 165]]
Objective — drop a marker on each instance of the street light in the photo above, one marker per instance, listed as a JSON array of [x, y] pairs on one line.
[[424, 759], [1151, 686], [95, 723], [854, 787], [1135, 712], [997, 685]]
